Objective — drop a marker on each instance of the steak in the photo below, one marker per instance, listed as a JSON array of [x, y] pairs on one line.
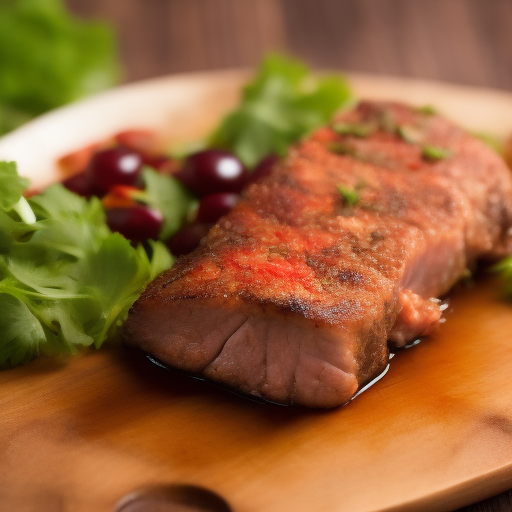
[[298, 294]]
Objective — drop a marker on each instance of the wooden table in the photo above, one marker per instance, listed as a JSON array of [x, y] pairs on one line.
[[464, 41]]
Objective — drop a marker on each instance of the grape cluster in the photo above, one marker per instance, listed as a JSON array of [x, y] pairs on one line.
[[113, 173]]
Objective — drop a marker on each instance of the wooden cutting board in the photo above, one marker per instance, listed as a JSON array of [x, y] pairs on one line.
[[434, 434]]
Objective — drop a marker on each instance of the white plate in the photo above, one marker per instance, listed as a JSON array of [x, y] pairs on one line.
[[163, 104]]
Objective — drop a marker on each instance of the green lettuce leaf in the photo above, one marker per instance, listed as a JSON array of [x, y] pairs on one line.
[[49, 58], [170, 197]]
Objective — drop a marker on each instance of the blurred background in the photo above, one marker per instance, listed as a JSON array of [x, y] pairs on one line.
[[464, 41], [56, 51]]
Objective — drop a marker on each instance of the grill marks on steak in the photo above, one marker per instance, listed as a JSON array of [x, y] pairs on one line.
[[294, 295]]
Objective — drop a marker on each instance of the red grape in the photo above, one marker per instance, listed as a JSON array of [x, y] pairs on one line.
[[214, 206], [211, 171], [137, 223], [114, 166], [263, 169], [79, 184], [188, 238]]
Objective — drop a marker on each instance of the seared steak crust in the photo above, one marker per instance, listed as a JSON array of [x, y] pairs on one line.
[[296, 293]]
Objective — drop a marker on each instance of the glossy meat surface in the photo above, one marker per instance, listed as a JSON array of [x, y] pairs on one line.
[[295, 295]]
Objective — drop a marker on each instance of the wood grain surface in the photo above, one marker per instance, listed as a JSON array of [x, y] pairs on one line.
[[433, 434], [465, 41]]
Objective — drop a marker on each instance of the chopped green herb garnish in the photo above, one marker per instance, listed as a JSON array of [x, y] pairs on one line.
[[410, 134], [495, 143], [467, 278], [427, 110], [66, 281], [350, 196], [387, 122], [281, 104], [467, 274], [355, 129], [341, 148], [435, 153]]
